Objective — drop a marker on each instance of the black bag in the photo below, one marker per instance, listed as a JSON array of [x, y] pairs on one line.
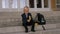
[[41, 19]]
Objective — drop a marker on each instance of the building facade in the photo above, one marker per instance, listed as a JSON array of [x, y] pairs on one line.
[[34, 5]]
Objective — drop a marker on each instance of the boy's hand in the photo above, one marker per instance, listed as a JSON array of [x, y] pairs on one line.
[[29, 19]]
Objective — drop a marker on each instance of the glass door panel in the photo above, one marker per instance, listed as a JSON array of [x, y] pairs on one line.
[[45, 3], [39, 4], [31, 3]]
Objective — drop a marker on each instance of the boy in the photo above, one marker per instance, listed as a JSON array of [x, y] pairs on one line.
[[27, 19]]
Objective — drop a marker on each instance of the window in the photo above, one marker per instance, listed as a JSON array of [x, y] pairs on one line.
[[58, 3], [5, 4], [22, 3], [45, 3], [14, 4], [39, 4], [31, 3]]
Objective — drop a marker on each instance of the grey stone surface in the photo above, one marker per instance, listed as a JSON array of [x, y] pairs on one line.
[[15, 19], [10, 23], [13, 29], [52, 31]]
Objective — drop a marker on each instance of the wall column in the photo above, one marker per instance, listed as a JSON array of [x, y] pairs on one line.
[[10, 3], [18, 3], [53, 4], [0, 3]]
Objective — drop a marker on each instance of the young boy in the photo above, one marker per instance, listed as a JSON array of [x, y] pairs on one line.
[[27, 19]]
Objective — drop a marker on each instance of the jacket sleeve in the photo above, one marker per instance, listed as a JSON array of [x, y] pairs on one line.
[[23, 18], [31, 16]]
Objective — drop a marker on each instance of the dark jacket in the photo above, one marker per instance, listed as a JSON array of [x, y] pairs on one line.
[[24, 18]]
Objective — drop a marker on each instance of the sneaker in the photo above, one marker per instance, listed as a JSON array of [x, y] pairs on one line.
[[33, 30], [26, 31]]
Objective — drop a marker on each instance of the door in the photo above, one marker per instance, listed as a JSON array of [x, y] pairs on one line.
[[39, 5]]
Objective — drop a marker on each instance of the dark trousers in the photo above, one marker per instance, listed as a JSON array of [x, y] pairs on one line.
[[29, 24]]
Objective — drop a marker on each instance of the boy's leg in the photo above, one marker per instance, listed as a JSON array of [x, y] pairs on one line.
[[33, 26], [26, 28], [43, 27]]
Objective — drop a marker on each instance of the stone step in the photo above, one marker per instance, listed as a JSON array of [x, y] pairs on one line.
[[18, 21], [18, 14], [52, 31], [49, 28]]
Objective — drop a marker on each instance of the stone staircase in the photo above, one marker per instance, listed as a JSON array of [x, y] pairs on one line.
[[50, 29], [15, 19], [10, 23], [57, 31]]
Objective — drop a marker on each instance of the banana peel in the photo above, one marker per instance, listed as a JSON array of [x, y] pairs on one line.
[[36, 24]]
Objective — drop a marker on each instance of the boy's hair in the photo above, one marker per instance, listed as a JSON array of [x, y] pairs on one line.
[[26, 7]]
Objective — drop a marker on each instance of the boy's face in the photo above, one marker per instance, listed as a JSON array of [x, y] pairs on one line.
[[26, 10]]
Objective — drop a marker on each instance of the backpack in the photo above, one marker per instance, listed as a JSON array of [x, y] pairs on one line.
[[41, 19]]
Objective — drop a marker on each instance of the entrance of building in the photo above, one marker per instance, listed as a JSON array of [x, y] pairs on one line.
[[37, 5]]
